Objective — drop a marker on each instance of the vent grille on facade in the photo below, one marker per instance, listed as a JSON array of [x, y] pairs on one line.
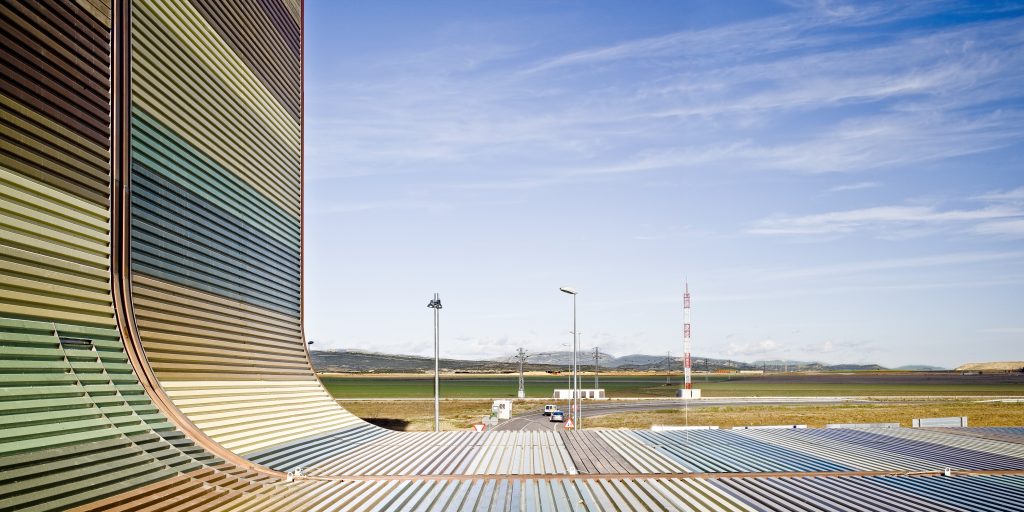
[[76, 342]]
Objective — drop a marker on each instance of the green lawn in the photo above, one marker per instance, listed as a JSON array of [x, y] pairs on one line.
[[488, 387], [846, 384]]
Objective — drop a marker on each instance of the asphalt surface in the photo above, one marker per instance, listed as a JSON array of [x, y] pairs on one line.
[[534, 420]]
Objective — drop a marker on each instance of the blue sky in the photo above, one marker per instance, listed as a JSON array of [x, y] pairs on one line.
[[840, 182]]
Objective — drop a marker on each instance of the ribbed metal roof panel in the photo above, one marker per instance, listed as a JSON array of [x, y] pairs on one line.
[[919, 449], [641, 455], [1008, 434], [451, 453], [728, 451], [879, 494], [969, 493], [307, 452]]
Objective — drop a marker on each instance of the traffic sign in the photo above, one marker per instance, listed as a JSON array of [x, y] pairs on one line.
[[479, 427], [569, 424]]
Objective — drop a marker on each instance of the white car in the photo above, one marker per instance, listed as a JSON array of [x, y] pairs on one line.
[[548, 409], [557, 416]]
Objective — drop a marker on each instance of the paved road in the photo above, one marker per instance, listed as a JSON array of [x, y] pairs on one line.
[[534, 420]]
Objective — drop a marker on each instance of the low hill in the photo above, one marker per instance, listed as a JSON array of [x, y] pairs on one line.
[[998, 366], [365, 361], [920, 368], [350, 360]]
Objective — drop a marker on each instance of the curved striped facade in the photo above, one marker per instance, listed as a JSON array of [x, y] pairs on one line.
[[151, 346], [216, 219]]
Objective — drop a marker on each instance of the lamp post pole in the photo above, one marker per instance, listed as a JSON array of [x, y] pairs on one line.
[[436, 306], [575, 368]]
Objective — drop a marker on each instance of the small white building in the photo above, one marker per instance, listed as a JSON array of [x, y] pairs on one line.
[[688, 393], [565, 394], [502, 409]]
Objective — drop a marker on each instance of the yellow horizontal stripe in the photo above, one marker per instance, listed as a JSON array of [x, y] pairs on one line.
[[268, 160], [249, 415], [56, 200]]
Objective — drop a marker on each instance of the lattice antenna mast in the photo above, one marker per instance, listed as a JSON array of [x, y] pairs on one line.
[[597, 367], [521, 356], [668, 368], [686, 338]]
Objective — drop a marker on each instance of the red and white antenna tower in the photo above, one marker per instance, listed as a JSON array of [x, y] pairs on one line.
[[687, 384]]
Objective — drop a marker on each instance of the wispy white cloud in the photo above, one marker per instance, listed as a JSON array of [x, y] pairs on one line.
[[855, 186], [817, 291], [757, 348], [1005, 228], [708, 99], [1016, 194], [876, 219], [743, 40], [874, 267]]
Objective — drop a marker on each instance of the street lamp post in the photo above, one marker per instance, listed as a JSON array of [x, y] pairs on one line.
[[575, 368], [436, 306]]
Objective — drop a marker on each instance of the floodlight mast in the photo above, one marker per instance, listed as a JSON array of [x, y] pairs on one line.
[[575, 368], [435, 304]]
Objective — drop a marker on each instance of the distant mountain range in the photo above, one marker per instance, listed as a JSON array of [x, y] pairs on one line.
[[349, 360]]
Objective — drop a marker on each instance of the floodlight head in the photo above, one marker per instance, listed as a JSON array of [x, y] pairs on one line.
[[435, 303], [568, 290]]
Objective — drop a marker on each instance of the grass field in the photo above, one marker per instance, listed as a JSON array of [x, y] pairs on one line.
[[461, 414], [978, 414], [633, 386], [419, 416]]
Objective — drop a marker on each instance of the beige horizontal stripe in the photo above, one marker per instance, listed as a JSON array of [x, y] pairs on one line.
[[258, 414], [43, 312], [208, 370], [14, 205], [174, 310], [225, 361], [211, 302], [34, 287], [58, 198], [202, 406], [184, 326], [20, 239], [51, 269], [164, 342], [54, 255]]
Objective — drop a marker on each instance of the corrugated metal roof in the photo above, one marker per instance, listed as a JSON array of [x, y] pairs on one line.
[[730, 451], [452, 453], [1008, 434], [366, 452], [879, 494], [914, 449], [306, 452], [742, 494], [861, 457], [640, 455]]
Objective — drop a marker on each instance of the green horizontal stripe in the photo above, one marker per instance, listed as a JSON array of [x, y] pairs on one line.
[[160, 151]]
